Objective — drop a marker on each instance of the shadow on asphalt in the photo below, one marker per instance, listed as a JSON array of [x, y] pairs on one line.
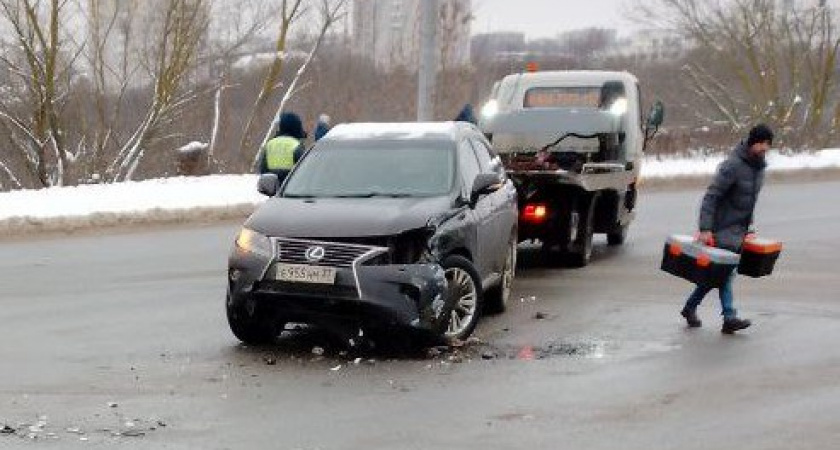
[[532, 257]]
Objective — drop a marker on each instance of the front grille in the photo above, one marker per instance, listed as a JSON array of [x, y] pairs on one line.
[[335, 254]]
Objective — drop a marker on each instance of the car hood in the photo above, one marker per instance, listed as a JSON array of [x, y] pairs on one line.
[[344, 217]]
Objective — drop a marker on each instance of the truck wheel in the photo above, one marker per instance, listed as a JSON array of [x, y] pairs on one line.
[[580, 251], [498, 296], [465, 297], [252, 328], [617, 237]]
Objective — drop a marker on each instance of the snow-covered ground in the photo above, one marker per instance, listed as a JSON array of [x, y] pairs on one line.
[[219, 192]]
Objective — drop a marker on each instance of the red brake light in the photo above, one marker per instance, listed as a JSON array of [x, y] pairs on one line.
[[534, 213]]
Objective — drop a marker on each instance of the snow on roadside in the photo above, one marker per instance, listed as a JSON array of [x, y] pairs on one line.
[[674, 167], [179, 193], [191, 196]]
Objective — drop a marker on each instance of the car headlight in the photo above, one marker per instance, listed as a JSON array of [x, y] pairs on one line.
[[250, 241]]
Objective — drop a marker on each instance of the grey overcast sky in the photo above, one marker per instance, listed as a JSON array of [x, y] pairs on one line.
[[546, 18]]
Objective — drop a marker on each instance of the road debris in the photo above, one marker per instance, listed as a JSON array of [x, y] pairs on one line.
[[455, 358]]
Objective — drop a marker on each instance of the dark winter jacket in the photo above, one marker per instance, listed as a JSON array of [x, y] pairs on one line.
[[466, 115], [727, 209], [321, 129]]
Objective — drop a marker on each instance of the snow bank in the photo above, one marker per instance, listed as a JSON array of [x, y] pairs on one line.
[[181, 193], [184, 199]]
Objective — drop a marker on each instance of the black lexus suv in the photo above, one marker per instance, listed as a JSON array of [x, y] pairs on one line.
[[380, 226]]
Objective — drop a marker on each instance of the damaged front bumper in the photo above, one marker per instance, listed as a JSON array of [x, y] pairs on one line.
[[376, 296]]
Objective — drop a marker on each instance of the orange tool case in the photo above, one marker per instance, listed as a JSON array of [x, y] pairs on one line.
[[702, 265], [758, 256]]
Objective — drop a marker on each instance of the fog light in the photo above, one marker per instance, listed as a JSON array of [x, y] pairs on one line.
[[234, 275]]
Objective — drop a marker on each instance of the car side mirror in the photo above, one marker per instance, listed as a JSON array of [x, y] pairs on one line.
[[268, 184], [656, 115], [484, 184]]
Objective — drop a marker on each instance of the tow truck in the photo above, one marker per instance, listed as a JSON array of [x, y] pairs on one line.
[[572, 142]]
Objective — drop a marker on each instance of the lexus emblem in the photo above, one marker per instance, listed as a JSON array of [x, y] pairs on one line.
[[315, 253]]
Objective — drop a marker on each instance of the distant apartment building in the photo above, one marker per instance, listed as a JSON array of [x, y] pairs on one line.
[[387, 32]]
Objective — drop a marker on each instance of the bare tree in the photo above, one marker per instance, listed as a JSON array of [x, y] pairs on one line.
[[41, 72], [329, 12], [169, 59], [760, 61], [291, 11], [70, 85], [240, 24]]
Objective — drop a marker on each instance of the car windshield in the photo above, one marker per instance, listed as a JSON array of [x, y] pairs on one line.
[[363, 168]]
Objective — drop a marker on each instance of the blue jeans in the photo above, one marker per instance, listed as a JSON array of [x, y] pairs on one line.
[[726, 299]]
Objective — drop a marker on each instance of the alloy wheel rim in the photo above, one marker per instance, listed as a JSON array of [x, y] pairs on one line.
[[463, 312]]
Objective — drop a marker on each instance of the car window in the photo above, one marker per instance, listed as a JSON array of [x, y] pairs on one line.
[[468, 164], [374, 168], [488, 160]]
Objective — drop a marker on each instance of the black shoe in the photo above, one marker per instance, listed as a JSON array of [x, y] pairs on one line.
[[733, 324], [691, 318]]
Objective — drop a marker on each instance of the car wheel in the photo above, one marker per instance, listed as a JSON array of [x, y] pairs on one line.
[[464, 299], [499, 296], [252, 327]]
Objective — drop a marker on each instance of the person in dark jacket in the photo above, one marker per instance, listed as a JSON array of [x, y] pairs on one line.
[[726, 217], [322, 127], [282, 152], [466, 115]]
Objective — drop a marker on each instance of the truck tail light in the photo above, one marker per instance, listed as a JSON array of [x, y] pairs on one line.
[[535, 213]]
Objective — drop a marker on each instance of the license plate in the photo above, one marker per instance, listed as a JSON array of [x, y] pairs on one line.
[[300, 273]]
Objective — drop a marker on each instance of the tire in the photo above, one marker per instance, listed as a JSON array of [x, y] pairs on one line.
[[580, 250], [617, 237], [252, 328], [555, 249], [497, 298], [465, 299]]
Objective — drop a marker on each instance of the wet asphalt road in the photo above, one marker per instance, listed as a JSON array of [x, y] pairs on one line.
[[120, 341]]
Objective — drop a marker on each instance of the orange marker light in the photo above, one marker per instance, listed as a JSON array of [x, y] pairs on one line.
[[703, 260], [674, 249], [531, 66]]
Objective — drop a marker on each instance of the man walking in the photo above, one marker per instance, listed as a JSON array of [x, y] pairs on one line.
[[726, 216], [282, 152]]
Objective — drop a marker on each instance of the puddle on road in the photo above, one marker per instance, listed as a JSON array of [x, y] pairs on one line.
[[583, 349]]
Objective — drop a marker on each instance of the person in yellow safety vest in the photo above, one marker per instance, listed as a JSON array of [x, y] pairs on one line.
[[282, 152]]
